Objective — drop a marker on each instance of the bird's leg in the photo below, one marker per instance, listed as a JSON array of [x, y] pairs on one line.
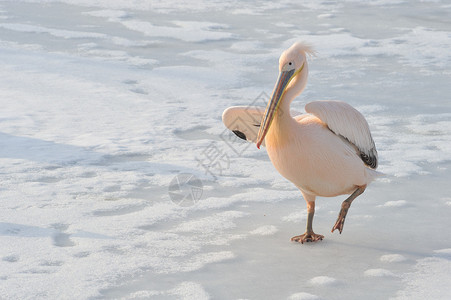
[[344, 208], [309, 235]]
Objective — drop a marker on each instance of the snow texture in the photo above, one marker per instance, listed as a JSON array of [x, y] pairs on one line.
[[323, 280], [303, 296], [378, 273], [393, 258]]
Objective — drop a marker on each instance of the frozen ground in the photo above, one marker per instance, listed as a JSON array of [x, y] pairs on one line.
[[104, 102]]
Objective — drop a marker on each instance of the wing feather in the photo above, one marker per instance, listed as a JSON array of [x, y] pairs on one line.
[[244, 121], [346, 121]]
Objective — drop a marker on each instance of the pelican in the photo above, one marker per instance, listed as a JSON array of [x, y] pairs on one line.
[[327, 152]]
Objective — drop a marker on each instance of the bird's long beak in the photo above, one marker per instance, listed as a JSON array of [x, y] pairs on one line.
[[282, 82]]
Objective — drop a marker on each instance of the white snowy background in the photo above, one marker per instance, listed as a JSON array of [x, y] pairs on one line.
[[103, 102]]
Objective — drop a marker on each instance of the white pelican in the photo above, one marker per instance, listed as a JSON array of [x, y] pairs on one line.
[[327, 152]]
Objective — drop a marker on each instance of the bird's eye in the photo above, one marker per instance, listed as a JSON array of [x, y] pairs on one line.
[[290, 63]]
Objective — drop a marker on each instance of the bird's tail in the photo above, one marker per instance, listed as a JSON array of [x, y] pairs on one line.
[[373, 174]]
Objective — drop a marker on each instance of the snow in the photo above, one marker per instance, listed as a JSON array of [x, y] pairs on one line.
[[303, 296], [323, 280], [395, 203], [297, 217], [110, 14], [443, 252], [191, 31], [103, 103], [393, 258], [66, 34], [186, 290], [211, 224], [265, 230], [378, 273], [430, 278]]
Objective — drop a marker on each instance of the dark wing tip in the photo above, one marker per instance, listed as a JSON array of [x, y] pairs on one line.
[[239, 134], [369, 160]]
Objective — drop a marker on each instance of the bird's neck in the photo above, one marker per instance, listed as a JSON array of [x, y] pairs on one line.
[[293, 90], [280, 131]]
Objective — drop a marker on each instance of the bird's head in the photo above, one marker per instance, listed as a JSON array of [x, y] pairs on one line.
[[292, 79]]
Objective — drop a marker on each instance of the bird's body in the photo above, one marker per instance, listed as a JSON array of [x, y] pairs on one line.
[[313, 158], [328, 152]]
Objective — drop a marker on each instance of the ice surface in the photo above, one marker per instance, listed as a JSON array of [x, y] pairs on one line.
[[104, 102]]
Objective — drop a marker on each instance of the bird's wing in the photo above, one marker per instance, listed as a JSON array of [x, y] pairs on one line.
[[244, 121], [346, 121]]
